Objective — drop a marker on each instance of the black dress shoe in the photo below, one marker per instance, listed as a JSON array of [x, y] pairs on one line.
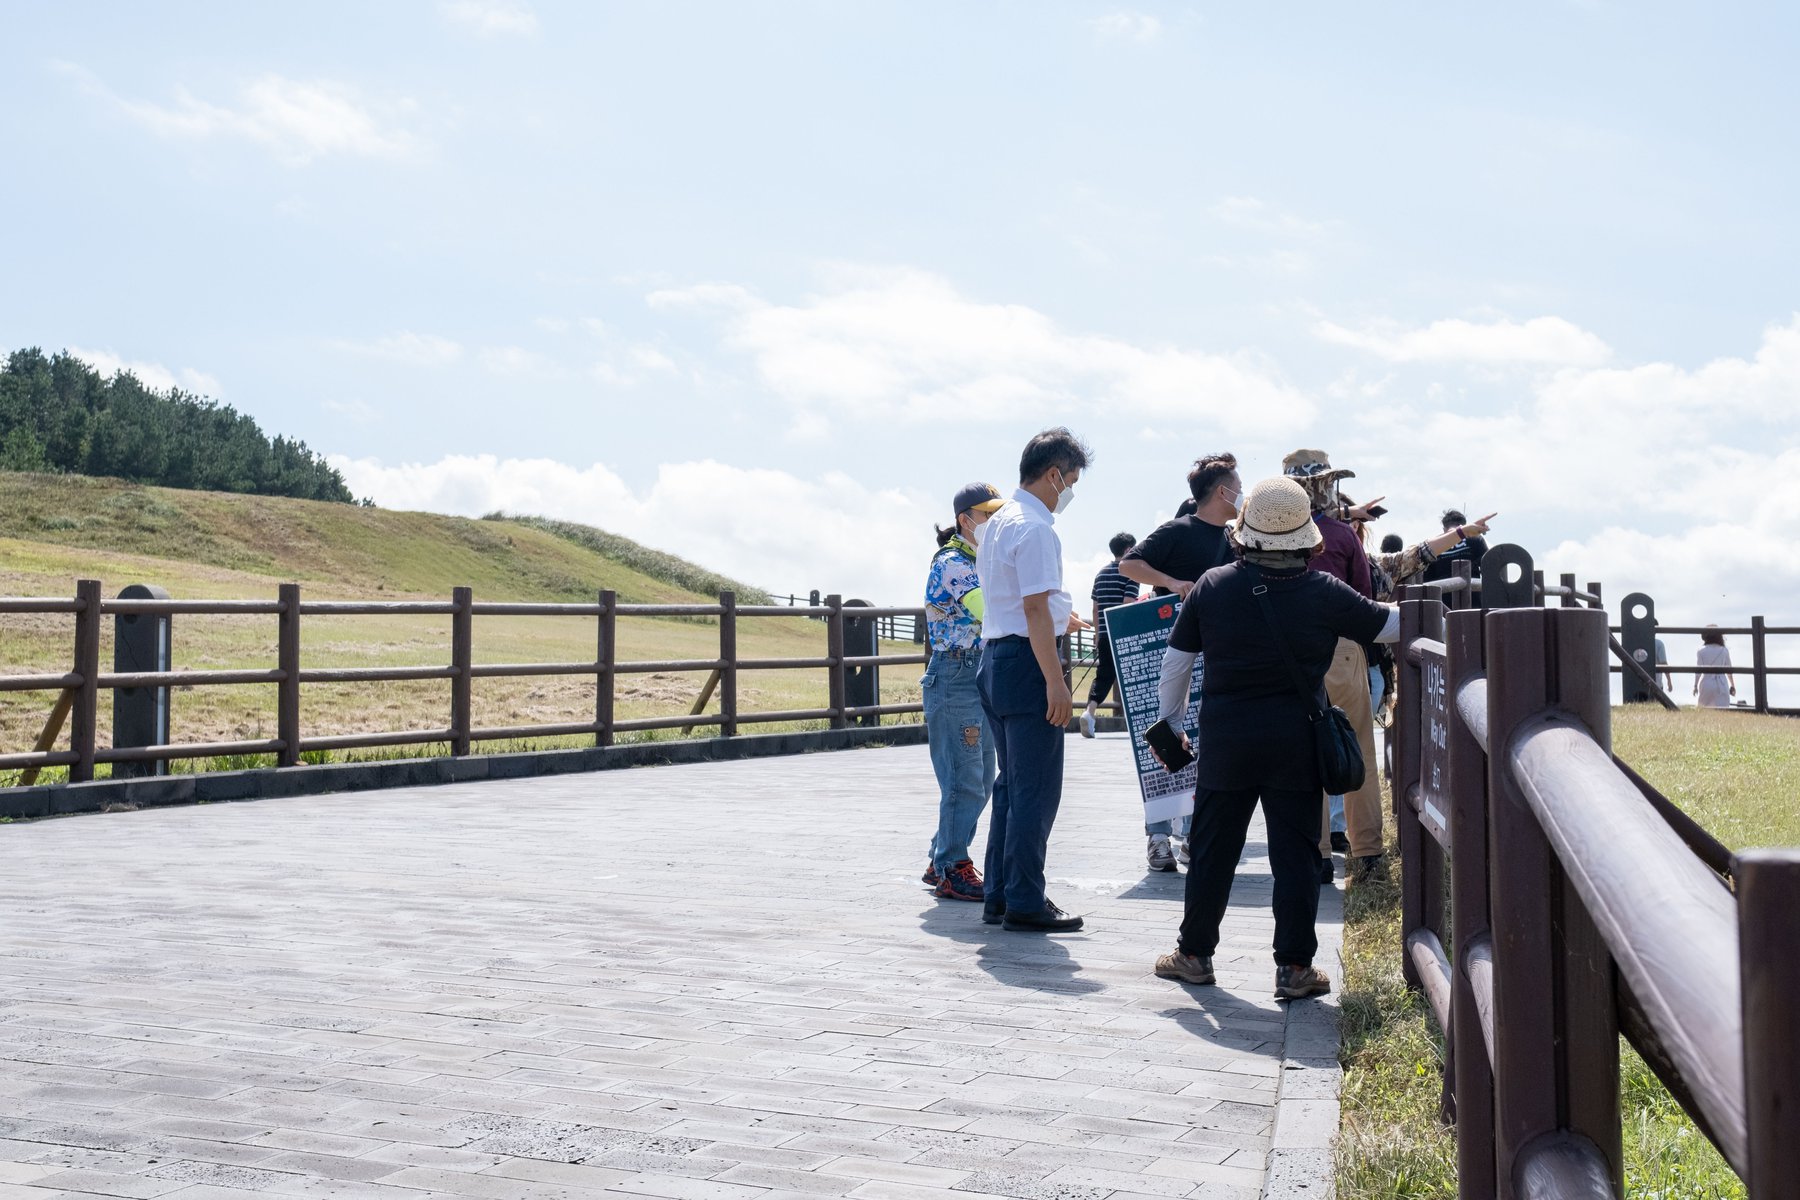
[[1327, 870], [1051, 920], [993, 916], [1340, 843]]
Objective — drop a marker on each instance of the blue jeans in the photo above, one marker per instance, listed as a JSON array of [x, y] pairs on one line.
[[962, 751], [1028, 788], [1169, 826]]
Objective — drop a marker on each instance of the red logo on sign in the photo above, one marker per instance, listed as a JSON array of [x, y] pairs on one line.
[[1166, 611]]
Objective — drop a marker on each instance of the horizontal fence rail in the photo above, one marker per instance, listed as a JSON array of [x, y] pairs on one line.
[[1583, 905], [850, 657]]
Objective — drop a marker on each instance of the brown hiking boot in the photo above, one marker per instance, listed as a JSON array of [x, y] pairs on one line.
[[1188, 968], [1297, 983]]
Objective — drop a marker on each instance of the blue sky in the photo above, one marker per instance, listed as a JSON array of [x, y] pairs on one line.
[[762, 283]]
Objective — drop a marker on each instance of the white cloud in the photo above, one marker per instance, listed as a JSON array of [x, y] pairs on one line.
[[295, 120], [409, 349], [152, 375], [491, 18], [1247, 212], [1678, 482], [906, 344], [1128, 26], [736, 520], [1541, 341], [514, 360]]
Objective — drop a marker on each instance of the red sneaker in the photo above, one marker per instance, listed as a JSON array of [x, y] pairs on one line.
[[961, 882]]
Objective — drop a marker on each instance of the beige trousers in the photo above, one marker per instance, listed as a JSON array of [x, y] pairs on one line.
[[1347, 686]]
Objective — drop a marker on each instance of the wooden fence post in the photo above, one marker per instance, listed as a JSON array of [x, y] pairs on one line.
[[1768, 890], [834, 649], [728, 689], [606, 657], [287, 661], [1471, 1072], [462, 637], [1426, 871], [1568, 600], [1537, 589], [1519, 860], [1556, 1036], [1587, 998], [1407, 731], [86, 708], [1598, 600], [1759, 658]]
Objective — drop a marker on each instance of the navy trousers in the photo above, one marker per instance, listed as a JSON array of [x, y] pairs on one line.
[[1028, 786]]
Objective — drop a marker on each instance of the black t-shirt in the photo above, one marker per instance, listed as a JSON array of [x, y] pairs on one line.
[[1470, 548], [1254, 728], [1184, 548]]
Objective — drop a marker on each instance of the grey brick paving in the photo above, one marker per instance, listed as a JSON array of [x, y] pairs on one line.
[[711, 982]]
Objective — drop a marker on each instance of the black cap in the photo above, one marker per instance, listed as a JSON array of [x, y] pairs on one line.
[[982, 497]]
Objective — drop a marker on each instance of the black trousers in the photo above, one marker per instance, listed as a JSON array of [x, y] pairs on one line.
[[1106, 674], [1221, 819]]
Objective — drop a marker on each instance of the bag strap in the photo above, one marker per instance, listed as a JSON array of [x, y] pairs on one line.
[[1261, 592]]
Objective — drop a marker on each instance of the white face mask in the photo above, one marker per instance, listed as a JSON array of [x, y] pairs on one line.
[[975, 534], [1237, 503], [1064, 498]]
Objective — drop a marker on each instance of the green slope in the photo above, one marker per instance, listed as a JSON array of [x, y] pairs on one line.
[[51, 524]]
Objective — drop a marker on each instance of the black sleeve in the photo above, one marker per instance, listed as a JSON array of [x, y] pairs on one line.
[[1185, 637], [1154, 548], [1353, 615]]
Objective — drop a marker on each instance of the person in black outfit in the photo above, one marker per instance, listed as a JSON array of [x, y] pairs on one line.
[[1255, 741], [1111, 589], [1179, 551], [1471, 546]]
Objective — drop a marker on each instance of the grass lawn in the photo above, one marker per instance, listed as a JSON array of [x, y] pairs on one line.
[[1733, 772], [55, 529]]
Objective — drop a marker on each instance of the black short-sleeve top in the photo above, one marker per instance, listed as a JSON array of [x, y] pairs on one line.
[[1254, 729]]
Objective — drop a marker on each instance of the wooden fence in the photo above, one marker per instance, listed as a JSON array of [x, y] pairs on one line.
[[80, 685], [1581, 904]]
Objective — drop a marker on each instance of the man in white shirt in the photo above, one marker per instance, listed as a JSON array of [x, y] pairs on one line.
[[1021, 682]]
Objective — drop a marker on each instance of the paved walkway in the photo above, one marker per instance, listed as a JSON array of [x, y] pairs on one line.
[[689, 982]]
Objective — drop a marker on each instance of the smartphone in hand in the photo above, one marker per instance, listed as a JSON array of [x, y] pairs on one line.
[[1165, 743]]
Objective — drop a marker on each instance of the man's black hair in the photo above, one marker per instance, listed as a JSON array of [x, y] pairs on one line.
[[1121, 542], [1207, 473], [1453, 518], [1186, 508], [1391, 544], [1056, 448]]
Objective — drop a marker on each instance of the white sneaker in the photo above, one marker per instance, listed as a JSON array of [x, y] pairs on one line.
[[1087, 723], [1181, 851], [1159, 853]]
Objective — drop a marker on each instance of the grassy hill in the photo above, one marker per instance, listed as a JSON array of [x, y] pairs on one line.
[[57, 528]]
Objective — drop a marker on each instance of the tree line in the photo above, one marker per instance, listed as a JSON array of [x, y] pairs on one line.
[[59, 414]]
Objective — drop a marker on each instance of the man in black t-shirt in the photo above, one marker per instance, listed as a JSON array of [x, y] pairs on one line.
[[1176, 554]]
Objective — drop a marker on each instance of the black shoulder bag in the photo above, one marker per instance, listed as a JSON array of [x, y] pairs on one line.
[[1335, 747]]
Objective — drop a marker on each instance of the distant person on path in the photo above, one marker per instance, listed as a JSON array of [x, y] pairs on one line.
[[1255, 741], [1714, 689], [1022, 686], [962, 748], [1469, 544], [1111, 589], [1341, 555], [1170, 559]]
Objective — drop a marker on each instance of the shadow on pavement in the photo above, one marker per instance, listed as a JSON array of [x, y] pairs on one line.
[[1038, 961]]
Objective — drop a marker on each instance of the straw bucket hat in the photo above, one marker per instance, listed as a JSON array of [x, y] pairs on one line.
[[1277, 516]]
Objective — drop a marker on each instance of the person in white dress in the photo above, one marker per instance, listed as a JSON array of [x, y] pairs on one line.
[[1714, 688]]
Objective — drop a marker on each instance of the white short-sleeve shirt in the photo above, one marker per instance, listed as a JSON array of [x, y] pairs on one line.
[[1020, 556]]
